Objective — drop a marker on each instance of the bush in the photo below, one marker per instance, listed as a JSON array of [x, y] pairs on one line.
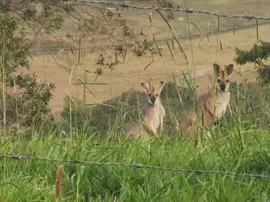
[[100, 118], [258, 54], [33, 103], [31, 106], [246, 100], [250, 100], [112, 114]]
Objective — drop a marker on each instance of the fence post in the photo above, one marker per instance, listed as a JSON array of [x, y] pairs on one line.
[[59, 181], [257, 29], [84, 86], [218, 29]]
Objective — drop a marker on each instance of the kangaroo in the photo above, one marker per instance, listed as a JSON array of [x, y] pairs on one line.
[[153, 113], [213, 104]]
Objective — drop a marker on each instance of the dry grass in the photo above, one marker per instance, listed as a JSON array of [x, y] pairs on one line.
[[131, 73]]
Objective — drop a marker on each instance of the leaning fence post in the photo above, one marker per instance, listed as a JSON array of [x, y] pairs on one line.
[[257, 29], [218, 24], [218, 29], [59, 181]]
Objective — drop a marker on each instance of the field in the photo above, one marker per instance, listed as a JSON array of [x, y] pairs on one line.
[[131, 73], [229, 162]]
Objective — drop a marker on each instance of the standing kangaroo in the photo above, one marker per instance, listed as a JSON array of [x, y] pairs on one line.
[[153, 112], [213, 104]]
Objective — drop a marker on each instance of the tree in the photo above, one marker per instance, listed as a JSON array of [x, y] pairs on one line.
[[31, 104], [33, 101], [258, 55]]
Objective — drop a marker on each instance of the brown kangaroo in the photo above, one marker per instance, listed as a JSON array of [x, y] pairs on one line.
[[153, 113], [213, 104]]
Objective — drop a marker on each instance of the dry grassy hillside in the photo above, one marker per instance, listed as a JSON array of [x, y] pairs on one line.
[[55, 66]]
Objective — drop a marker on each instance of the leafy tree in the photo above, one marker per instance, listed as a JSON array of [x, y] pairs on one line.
[[32, 103], [258, 55]]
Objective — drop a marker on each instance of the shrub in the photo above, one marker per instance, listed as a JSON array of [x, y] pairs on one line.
[[31, 105], [112, 114], [258, 54]]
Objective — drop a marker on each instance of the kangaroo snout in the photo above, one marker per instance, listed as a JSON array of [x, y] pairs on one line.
[[152, 99], [222, 87]]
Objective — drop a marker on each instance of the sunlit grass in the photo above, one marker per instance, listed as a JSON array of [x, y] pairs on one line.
[[238, 144], [35, 180]]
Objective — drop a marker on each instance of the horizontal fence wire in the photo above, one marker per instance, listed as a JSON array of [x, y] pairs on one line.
[[185, 10], [127, 5], [135, 166], [159, 41]]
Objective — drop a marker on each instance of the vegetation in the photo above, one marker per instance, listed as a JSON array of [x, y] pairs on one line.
[[239, 143], [258, 55], [30, 101], [240, 147]]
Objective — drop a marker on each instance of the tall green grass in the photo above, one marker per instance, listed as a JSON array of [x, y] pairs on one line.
[[239, 143], [244, 151]]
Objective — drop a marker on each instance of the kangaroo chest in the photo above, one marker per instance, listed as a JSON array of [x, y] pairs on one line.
[[154, 114], [158, 113], [221, 103]]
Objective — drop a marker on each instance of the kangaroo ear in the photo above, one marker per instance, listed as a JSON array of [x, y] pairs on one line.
[[161, 84], [216, 69], [229, 69], [145, 86]]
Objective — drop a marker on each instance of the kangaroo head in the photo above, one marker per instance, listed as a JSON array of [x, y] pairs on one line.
[[153, 94], [223, 77]]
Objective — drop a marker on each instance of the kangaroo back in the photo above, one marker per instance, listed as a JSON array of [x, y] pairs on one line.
[[133, 131]]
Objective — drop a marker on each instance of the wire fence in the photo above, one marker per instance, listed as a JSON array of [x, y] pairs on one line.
[[56, 47], [136, 166], [185, 10], [113, 46]]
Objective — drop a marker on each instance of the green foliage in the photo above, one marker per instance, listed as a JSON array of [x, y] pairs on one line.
[[33, 104], [31, 107], [258, 55], [14, 47], [112, 114], [127, 31], [250, 100], [101, 118], [104, 63], [247, 100], [239, 144], [35, 180], [141, 47], [44, 14]]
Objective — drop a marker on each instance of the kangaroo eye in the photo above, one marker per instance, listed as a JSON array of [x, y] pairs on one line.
[[227, 80], [157, 94], [149, 95], [218, 80]]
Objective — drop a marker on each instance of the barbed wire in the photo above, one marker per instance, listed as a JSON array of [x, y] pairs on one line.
[[185, 10], [136, 166], [112, 46]]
